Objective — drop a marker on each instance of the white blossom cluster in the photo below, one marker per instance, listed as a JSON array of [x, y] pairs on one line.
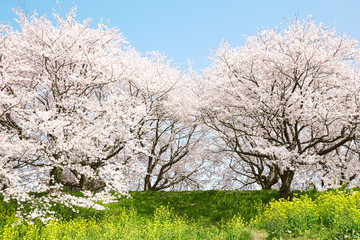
[[74, 98], [287, 100]]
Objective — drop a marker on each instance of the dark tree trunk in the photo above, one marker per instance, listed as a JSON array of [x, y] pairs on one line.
[[82, 182], [55, 176], [286, 179], [147, 182], [270, 180], [4, 187], [268, 183]]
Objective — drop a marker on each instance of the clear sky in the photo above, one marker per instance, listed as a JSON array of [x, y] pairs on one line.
[[188, 29]]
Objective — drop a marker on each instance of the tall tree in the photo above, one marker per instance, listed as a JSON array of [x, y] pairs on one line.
[[63, 106], [287, 98]]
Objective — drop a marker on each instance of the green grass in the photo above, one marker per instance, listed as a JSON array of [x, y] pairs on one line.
[[206, 207], [202, 215]]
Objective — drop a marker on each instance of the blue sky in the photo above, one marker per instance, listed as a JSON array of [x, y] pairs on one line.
[[188, 29]]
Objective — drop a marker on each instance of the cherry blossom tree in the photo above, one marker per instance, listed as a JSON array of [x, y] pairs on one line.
[[286, 100], [175, 155], [64, 106], [174, 136]]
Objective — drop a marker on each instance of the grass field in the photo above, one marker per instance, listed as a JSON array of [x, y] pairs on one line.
[[202, 215]]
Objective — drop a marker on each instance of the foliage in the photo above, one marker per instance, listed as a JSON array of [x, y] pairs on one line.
[[332, 215], [284, 216]]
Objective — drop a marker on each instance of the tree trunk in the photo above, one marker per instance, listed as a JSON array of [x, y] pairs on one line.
[[267, 182], [267, 185], [286, 180], [271, 179], [82, 182], [147, 182], [55, 176]]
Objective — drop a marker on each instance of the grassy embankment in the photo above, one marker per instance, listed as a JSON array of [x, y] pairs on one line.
[[202, 215]]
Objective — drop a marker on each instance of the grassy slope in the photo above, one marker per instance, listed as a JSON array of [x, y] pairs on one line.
[[203, 215], [206, 207]]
